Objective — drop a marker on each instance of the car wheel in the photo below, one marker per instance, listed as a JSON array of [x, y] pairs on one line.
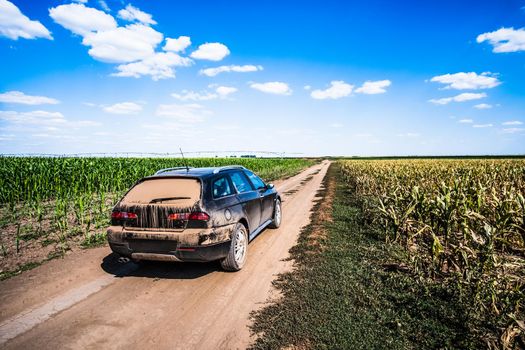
[[236, 257], [277, 215]]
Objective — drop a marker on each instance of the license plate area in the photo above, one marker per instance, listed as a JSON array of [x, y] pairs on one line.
[[152, 246]]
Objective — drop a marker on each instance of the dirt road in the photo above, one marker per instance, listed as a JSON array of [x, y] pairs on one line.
[[89, 300]]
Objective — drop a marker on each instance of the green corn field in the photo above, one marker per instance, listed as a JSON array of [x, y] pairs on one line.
[[52, 200], [461, 223], [42, 178]]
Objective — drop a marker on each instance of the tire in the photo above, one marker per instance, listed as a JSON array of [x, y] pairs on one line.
[[277, 215], [236, 257]]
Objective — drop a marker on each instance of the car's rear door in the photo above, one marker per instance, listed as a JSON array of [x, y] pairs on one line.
[[153, 203], [266, 196], [223, 197], [248, 197]]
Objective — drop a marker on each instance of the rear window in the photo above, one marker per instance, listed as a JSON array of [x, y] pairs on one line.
[[221, 187], [173, 192]]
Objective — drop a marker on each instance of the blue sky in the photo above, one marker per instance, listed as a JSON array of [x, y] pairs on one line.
[[316, 78]]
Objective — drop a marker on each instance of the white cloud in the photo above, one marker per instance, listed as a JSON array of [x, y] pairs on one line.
[[307, 87], [512, 130], [272, 87], [466, 121], [483, 106], [7, 137], [82, 20], [224, 91], [211, 52], [108, 42], [131, 13], [33, 117], [123, 44], [186, 95], [124, 108], [188, 113], [505, 39], [158, 66], [466, 96], [220, 92], [177, 45], [50, 120], [482, 126], [133, 46], [104, 5], [374, 87], [20, 97], [512, 122], [467, 81], [337, 90], [14, 24], [211, 72]]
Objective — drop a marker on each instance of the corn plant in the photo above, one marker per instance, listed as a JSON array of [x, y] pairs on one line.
[[461, 221]]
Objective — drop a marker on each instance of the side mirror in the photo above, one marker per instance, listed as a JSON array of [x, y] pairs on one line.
[[269, 186]]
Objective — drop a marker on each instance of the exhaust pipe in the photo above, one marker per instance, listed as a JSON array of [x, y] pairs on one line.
[[123, 260]]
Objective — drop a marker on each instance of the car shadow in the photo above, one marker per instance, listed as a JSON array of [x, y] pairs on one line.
[[157, 269]]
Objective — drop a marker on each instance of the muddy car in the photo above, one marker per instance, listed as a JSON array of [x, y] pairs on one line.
[[194, 214]]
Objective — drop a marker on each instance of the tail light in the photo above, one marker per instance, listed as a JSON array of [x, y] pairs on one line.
[[199, 216], [123, 215]]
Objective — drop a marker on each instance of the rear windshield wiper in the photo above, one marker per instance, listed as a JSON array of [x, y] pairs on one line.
[[156, 200]]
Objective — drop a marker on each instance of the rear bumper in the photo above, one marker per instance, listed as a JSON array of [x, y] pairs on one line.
[[160, 253], [190, 245]]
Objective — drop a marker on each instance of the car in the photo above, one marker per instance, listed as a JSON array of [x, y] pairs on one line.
[[194, 214]]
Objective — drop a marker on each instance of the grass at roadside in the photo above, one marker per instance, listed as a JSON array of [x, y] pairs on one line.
[[350, 290], [8, 274]]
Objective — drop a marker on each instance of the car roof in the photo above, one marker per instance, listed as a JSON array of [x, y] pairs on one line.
[[195, 172]]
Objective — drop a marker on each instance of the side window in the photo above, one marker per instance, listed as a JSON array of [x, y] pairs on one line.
[[241, 182], [256, 180], [221, 187]]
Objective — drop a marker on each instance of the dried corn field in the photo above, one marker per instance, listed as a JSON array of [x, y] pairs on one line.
[[461, 223]]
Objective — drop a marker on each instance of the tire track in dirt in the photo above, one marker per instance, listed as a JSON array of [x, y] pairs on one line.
[[26, 320]]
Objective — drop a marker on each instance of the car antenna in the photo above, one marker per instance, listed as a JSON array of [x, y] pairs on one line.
[[184, 160]]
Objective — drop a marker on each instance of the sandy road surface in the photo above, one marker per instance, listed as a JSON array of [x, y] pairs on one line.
[[89, 300]]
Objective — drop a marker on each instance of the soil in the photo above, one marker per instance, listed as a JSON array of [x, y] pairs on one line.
[[39, 242]]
